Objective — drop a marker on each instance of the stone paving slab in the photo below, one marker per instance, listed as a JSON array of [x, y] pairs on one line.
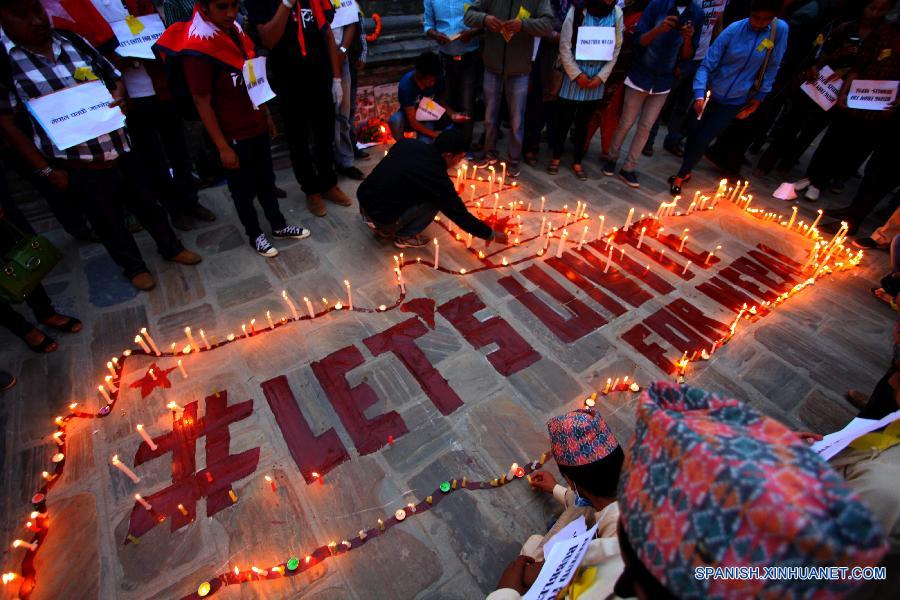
[[793, 365]]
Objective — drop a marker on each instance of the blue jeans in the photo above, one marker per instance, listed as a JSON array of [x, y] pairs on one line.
[[398, 126], [716, 119], [679, 108], [413, 221], [516, 88], [459, 86], [343, 122]]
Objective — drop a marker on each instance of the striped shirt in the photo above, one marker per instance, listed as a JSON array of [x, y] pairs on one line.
[[570, 90], [34, 75]]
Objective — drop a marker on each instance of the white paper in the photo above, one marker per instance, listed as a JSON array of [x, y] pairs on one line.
[[429, 110], [258, 84], [77, 114], [109, 10], [560, 565], [831, 444], [595, 43], [534, 49], [822, 92], [869, 94], [345, 15], [138, 82], [573, 529], [138, 45]]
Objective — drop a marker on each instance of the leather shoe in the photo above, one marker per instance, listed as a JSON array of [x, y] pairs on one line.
[[143, 281], [316, 205], [182, 223], [186, 257], [337, 196]]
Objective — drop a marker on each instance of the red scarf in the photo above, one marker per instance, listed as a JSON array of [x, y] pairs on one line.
[[80, 16], [199, 36], [321, 10]]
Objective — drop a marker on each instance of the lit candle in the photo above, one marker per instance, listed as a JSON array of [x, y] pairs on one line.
[[503, 165], [205, 341], [380, 524], [272, 484], [190, 338], [269, 319], [471, 193], [583, 236], [140, 500], [469, 241], [109, 382], [628, 219], [790, 224], [490, 184], [118, 464], [309, 308], [181, 368], [512, 472], [562, 241], [496, 202], [183, 510], [103, 393], [400, 281], [816, 222], [147, 438], [437, 252], [543, 222], [600, 227], [149, 340], [111, 368], [32, 546], [568, 215], [710, 255], [290, 304], [641, 237], [608, 384], [175, 408], [349, 295], [681, 246], [542, 203], [608, 260], [686, 267], [139, 340]]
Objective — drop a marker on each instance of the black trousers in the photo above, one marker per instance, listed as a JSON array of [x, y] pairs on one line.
[[797, 128], [157, 137], [308, 111], [102, 194], [881, 176], [847, 143], [574, 114], [460, 79], [255, 178]]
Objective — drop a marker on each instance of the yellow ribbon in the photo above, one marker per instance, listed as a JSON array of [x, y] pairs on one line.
[[880, 441], [251, 75], [524, 13], [336, 4], [134, 24], [84, 74], [885, 53], [765, 44]]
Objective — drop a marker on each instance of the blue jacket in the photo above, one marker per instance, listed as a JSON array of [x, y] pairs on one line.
[[734, 59], [653, 66]]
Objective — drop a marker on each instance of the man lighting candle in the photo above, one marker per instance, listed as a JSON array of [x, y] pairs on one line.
[[410, 186]]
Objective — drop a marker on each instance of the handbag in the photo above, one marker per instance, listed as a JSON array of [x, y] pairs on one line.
[[757, 85], [25, 263]]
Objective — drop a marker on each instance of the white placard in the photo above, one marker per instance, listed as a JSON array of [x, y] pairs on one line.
[[869, 94], [257, 82], [595, 43], [560, 565], [823, 92], [345, 15], [535, 48], [573, 529], [833, 443], [77, 114], [137, 45], [429, 110]]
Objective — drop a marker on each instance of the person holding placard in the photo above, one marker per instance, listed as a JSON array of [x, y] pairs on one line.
[[589, 44], [665, 34], [345, 29], [737, 73], [228, 83], [423, 110], [76, 139], [510, 28]]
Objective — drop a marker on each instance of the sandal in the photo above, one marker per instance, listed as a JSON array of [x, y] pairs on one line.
[[45, 346], [553, 167], [579, 172], [70, 325]]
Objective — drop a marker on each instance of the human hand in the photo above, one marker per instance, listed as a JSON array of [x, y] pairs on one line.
[[812, 74], [337, 91], [229, 158], [512, 27], [493, 24], [748, 110], [582, 81], [698, 106], [441, 38], [808, 436], [687, 32], [360, 65], [543, 481], [513, 576], [59, 179], [668, 24], [468, 35], [458, 117], [595, 82]]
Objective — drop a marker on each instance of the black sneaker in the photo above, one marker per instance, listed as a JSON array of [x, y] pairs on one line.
[[414, 241], [263, 247], [609, 168], [351, 172], [361, 154], [486, 162], [7, 381], [629, 178], [291, 232], [868, 243]]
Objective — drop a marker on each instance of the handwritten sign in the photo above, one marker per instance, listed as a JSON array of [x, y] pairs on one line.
[[137, 45], [595, 43], [257, 81], [823, 92], [560, 565], [347, 13], [77, 114], [429, 110], [869, 94]]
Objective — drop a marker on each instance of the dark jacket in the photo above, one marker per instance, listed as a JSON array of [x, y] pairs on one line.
[[653, 66], [513, 58], [412, 173]]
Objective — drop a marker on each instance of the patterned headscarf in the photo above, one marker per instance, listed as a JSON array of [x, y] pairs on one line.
[[710, 482], [580, 437]]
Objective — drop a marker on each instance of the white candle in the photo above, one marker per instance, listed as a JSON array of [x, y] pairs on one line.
[[118, 464], [140, 500], [490, 184], [471, 192], [641, 237], [32, 546], [512, 472], [608, 260], [686, 267], [181, 368], [139, 340], [711, 254], [290, 304], [151, 374], [111, 368], [349, 295], [190, 338], [150, 340], [628, 220], [437, 253], [816, 222], [542, 203], [309, 308], [496, 201], [269, 319], [790, 224], [109, 382], [469, 241], [147, 438], [583, 235], [562, 240], [205, 341], [400, 281], [600, 227], [103, 393], [681, 246], [543, 222], [503, 165]]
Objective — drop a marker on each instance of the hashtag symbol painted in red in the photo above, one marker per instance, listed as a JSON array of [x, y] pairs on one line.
[[188, 484]]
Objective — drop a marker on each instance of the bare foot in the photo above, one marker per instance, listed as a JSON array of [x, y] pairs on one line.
[[883, 296]]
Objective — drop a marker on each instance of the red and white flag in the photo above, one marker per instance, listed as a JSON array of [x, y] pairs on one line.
[[80, 16], [200, 37]]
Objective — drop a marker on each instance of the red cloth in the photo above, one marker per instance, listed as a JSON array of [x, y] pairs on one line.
[[322, 11], [79, 16], [230, 101], [200, 37]]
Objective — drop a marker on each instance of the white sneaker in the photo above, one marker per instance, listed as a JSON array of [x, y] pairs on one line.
[[264, 248], [291, 232], [812, 193], [801, 184]]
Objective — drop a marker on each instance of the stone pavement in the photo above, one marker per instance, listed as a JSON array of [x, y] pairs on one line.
[[450, 411]]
